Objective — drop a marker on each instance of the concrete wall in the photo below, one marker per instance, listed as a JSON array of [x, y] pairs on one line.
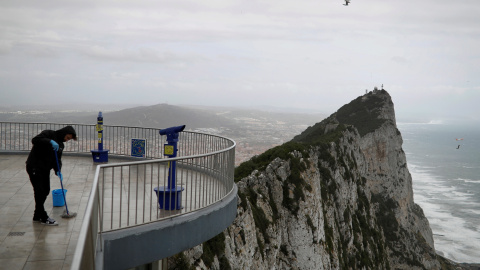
[[143, 244]]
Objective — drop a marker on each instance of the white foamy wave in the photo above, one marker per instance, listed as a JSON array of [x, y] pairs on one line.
[[467, 180], [455, 237], [448, 187], [435, 122], [431, 122], [471, 181], [462, 196], [474, 211]]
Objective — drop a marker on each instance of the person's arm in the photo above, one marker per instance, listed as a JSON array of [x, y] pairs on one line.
[[59, 168], [45, 138]]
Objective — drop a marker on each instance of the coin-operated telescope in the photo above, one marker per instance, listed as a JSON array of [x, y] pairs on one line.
[[170, 197], [172, 133]]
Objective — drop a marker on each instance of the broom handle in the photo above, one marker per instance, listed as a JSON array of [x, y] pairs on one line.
[[61, 184]]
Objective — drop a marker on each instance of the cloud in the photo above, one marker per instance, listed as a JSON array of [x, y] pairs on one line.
[[399, 60], [5, 46], [309, 54], [125, 76], [130, 55], [47, 75]]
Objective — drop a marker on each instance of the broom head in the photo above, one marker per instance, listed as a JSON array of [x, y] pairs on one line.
[[68, 214]]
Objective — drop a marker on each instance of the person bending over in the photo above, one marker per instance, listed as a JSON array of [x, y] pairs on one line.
[[39, 163]]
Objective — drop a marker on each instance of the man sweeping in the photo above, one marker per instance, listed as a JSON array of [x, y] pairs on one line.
[[47, 147]]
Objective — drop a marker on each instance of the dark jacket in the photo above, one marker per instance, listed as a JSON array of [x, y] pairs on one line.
[[42, 155]]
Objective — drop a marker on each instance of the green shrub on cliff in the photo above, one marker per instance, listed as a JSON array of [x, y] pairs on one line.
[[363, 113], [215, 247], [261, 161]]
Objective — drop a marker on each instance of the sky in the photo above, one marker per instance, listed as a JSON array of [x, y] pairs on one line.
[[302, 55]]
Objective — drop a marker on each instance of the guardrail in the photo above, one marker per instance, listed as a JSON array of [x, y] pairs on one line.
[[127, 196], [117, 139], [123, 194]]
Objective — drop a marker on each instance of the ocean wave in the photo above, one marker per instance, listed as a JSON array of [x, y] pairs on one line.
[[435, 122], [446, 184], [459, 196], [451, 212], [474, 211], [452, 234], [468, 180], [431, 122], [469, 167]]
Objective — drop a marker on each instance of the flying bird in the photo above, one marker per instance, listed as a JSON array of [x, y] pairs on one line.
[[458, 139], [346, 2]]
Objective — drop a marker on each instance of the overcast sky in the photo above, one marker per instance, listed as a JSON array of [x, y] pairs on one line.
[[307, 54]]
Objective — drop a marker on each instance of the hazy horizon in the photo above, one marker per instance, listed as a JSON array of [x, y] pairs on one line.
[[94, 109]]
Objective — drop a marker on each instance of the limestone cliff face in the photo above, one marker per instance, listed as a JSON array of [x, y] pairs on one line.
[[338, 196]]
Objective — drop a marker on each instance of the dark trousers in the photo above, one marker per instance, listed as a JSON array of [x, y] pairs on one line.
[[40, 180]]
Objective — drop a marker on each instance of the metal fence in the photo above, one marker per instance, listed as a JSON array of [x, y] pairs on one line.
[[116, 139], [129, 194]]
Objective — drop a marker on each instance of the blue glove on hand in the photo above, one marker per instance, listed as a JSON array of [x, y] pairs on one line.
[[54, 145], [59, 174]]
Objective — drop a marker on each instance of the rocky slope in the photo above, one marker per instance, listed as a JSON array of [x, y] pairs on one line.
[[338, 196]]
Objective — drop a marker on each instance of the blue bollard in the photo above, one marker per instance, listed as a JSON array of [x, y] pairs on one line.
[[99, 155]]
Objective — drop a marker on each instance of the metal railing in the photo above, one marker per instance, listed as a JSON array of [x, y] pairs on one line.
[[116, 139], [123, 194], [127, 190]]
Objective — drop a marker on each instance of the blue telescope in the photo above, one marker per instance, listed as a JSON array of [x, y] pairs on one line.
[[171, 130], [170, 197], [172, 133]]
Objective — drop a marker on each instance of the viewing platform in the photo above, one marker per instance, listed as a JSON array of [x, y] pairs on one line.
[[119, 217]]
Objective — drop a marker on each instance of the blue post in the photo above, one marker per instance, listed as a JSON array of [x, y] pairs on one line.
[[171, 194], [100, 130], [100, 155]]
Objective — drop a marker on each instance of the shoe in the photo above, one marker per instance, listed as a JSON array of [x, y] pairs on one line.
[[49, 221]]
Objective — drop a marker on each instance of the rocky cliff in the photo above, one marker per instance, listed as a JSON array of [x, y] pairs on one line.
[[338, 196]]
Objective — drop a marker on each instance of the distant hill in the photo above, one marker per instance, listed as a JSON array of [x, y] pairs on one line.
[[156, 116], [165, 115]]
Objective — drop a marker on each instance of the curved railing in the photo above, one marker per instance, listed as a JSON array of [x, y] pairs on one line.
[[117, 139], [123, 194]]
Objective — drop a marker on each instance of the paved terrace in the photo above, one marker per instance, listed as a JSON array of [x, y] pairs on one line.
[[28, 245], [127, 201]]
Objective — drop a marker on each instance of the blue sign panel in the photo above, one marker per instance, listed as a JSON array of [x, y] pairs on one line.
[[138, 147]]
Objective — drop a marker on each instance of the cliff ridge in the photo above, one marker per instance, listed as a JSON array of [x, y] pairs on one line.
[[338, 196]]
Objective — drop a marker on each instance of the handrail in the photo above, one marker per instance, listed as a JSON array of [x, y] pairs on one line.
[[122, 194], [216, 168], [15, 136]]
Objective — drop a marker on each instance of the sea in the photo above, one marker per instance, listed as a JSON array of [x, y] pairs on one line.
[[444, 161]]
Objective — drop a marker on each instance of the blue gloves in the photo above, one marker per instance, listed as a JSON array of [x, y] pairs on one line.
[[54, 145], [59, 174]]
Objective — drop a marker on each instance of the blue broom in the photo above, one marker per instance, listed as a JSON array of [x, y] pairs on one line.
[[66, 214]]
